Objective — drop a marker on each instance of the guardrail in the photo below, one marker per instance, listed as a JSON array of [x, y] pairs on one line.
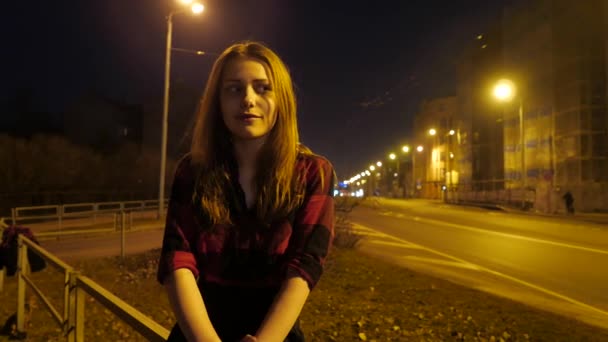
[[78, 218], [71, 320], [62, 212]]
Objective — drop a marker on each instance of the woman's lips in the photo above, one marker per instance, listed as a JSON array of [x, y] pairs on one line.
[[248, 117]]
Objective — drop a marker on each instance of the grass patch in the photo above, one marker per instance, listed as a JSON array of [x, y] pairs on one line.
[[358, 298]]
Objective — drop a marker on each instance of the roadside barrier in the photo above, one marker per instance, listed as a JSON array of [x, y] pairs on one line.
[[72, 319]]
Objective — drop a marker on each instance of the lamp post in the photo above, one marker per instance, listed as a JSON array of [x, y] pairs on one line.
[[196, 8], [419, 149], [393, 156], [505, 91]]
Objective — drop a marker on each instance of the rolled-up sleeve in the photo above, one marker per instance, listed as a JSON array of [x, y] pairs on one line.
[[177, 248], [313, 227]]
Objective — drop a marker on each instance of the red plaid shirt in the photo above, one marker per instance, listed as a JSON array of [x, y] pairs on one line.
[[244, 265]]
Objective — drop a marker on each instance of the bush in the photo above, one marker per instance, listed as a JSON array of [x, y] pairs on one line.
[[345, 237]]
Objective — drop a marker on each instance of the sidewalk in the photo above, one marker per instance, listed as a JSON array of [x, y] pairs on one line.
[[597, 218]]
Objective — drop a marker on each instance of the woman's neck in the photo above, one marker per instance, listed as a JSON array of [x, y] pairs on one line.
[[246, 153]]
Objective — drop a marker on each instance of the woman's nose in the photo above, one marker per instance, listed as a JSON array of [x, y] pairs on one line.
[[248, 98]]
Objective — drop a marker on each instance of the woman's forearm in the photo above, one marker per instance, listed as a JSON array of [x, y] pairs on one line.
[[189, 307], [284, 311]]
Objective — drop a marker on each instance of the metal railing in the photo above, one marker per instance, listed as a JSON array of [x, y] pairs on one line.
[[66, 219], [71, 320], [77, 210]]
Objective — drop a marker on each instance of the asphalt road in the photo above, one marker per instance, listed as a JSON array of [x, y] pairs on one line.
[[72, 248], [557, 264]]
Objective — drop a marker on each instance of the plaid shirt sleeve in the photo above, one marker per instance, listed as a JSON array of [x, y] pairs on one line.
[[179, 233], [313, 228]]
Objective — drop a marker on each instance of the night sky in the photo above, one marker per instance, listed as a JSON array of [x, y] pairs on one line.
[[361, 68]]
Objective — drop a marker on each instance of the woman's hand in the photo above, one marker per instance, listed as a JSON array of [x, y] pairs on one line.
[[249, 338]]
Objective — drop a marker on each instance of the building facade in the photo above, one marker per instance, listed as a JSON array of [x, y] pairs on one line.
[[555, 51], [434, 167], [552, 136]]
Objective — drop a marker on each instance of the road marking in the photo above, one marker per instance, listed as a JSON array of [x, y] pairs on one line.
[[496, 273], [512, 236], [442, 262], [395, 244]]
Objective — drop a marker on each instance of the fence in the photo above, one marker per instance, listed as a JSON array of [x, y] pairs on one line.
[[78, 210], [76, 285], [71, 320]]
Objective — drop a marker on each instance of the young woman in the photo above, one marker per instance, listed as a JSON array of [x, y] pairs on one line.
[[251, 212]]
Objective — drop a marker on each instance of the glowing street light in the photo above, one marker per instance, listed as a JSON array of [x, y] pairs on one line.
[[420, 148], [432, 131], [372, 167], [379, 163], [505, 91], [196, 8], [405, 149], [452, 132], [392, 156]]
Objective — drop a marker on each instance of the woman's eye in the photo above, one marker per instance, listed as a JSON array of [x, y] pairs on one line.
[[263, 88]]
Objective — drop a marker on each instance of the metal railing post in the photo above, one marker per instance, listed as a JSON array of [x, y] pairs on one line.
[[14, 216], [66, 302], [21, 271], [123, 222], [59, 212], [80, 300], [75, 322]]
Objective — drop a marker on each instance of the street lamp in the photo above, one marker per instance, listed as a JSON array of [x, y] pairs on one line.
[[196, 8], [505, 91]]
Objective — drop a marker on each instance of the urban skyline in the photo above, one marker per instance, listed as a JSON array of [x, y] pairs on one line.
[[395, 57]]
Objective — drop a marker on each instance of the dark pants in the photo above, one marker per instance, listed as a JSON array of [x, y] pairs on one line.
[[295, 335]]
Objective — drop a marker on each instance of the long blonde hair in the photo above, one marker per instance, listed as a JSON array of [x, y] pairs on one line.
[[278, 184]]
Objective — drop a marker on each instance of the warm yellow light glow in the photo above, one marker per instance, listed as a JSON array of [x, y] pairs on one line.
[[197, 8], [392, 156], [452, 132], [405, 149], [432, 131], [372, 167], [379, 163], [362, 174], [186, 2], [451, 155], [504, 90], [419, 148]]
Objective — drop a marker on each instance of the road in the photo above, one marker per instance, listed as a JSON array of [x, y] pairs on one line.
[[72, 248], [557, 264]]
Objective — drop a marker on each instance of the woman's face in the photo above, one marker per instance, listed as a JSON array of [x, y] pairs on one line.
[[247, 100]]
